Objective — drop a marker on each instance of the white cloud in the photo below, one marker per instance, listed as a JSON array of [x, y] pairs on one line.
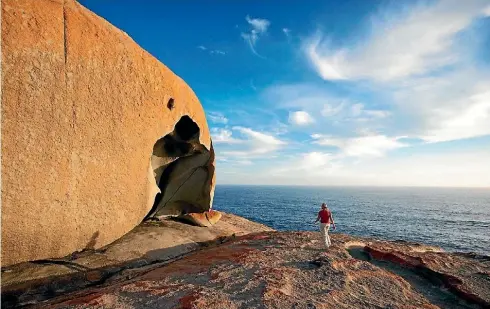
[[420, 71], [473, 121], [258, 24], [414, 42], [486, 11], [201, 47], [315, 160], [422, 58], [364, 146], [300, 118], [316, 100], [458, 169], [286, 31], [444, 108], [308, 163], [216, 117], [223, 136], [302, 96], [259, 137], [255, 144], [259, 27]]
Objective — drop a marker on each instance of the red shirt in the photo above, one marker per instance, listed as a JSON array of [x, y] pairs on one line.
[[325, 216]]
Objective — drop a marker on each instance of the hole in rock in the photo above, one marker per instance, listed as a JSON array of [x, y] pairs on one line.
[[170, 104], [186, 129], [182, 170], [421, 279]]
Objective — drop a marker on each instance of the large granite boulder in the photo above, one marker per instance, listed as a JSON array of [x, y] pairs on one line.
[[93, 128]]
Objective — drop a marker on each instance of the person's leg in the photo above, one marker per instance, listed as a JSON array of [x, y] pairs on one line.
[[327, 237], [323, 230]]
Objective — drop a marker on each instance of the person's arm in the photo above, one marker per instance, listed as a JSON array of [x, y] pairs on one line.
[[317, 218]]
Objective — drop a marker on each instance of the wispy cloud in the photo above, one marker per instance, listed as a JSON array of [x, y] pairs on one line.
[[416, 57], [466, 168], [212, 51], [410, 78], [217, 117], [347, 110], [316, 100], [364, 146], [252, 85], [259, 27], [223, 136], [450, 108], [331, 110], [258, 24], [300, 118], [254, 144], [218, 52], [307, 163], [418, 40]]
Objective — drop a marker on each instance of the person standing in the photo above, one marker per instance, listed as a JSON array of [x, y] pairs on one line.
[[325, 218]]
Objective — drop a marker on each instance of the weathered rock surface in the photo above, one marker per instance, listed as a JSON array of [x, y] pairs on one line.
[[92, 128], [289, 270], [207, 218], [153, 242]]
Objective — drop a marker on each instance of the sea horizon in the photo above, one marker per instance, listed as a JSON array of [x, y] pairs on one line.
[[453, 219], [353, 186]]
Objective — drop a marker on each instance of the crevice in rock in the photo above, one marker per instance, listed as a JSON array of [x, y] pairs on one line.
[[65, 39], [432, 285], [181, 167]]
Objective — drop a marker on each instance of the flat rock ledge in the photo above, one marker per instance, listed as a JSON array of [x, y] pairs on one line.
[[270, 269], [151, 243]]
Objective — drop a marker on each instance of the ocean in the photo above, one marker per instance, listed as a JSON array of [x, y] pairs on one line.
[[456, 219]]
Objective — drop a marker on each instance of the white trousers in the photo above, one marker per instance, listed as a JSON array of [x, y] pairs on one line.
[[324, 227]]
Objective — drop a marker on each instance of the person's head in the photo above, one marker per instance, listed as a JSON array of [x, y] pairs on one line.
[[324, 206]]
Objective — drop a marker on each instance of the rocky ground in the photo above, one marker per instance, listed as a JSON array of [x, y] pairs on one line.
[[290, 270], [151, 243]]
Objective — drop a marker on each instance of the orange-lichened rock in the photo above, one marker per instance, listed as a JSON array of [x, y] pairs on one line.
[[93, 127], [272, 269], [208, 218]]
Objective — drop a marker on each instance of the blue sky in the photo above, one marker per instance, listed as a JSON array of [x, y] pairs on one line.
[[330, 92]]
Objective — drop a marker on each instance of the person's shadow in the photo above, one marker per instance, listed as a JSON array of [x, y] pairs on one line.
[[68, 263], [92, 242]]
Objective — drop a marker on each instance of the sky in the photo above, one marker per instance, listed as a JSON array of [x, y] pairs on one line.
[[363, 93]]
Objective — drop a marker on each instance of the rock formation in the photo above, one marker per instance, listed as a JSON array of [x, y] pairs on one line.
[[93, 127]]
